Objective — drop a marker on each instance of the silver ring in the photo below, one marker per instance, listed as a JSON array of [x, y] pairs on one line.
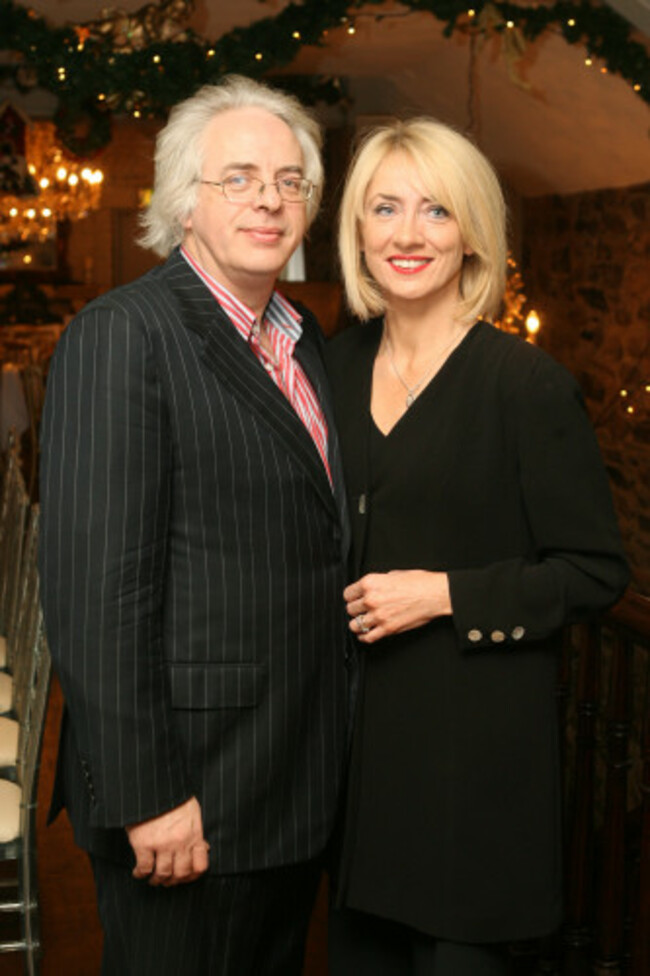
[[362, 627]]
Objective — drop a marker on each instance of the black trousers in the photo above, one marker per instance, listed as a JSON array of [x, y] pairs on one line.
[[236, 925], [364, 945]]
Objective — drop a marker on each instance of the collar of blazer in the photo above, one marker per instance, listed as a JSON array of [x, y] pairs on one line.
[[237, 367]]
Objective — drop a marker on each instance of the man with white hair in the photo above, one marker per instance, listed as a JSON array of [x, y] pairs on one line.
[[192, 560]]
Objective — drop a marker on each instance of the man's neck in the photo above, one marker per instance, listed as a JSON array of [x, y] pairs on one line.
[[254, 290]]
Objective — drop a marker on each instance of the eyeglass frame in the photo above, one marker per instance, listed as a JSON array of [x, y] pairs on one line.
[[310, 187]]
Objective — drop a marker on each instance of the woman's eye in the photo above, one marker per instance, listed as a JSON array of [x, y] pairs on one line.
[[437, 211], [238, 181], [383, 209]]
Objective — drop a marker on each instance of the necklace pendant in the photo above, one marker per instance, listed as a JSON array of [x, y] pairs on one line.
[[409, 400]]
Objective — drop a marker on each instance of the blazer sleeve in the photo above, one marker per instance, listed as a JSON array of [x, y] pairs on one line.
[[576, 565], [105, 498]]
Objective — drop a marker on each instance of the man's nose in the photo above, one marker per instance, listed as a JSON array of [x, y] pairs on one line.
[[268, 196]]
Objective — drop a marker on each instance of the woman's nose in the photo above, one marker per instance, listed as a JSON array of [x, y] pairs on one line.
[[409, 229]]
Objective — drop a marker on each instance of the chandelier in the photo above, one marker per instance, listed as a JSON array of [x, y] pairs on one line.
[[58, 187]]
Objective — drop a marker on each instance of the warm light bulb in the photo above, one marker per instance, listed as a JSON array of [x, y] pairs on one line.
[[73, 179], [532, 322], [61, 173]]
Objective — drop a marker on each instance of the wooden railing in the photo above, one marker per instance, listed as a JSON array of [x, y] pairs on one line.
[[604, 700]]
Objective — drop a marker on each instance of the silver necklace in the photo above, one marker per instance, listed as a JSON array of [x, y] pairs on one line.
[[412, 391]]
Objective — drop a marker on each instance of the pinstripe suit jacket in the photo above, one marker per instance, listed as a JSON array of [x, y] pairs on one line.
[[192, 564]]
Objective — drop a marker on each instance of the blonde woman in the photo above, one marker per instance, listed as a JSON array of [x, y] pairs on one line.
[[482, 523]]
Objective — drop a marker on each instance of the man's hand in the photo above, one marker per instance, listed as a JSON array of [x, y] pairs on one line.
[[170, 849]]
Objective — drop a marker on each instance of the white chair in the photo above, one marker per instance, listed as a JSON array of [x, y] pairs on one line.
[[20, 639], [18, 799]]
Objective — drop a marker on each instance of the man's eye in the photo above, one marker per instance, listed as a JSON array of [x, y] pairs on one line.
[[290, 183], [239, 181]]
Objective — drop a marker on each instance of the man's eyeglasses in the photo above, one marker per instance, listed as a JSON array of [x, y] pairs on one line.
[[242, 188]]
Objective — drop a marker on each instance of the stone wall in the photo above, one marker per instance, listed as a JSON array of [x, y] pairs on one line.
[[586, 267]]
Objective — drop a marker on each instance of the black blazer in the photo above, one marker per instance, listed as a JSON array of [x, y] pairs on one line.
[[493, 476], [191, 557]]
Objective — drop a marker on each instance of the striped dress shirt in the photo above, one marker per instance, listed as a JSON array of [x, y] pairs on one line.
[[283, 329]]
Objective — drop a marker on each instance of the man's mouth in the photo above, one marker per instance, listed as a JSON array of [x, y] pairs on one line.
[[267, 235]]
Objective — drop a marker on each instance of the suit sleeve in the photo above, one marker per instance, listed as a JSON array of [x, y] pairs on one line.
[[576, 565], [105, 498]]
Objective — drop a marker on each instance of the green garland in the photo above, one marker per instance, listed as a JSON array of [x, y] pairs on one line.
[[94, 78]]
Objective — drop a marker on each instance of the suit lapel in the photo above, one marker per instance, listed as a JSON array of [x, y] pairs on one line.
[[237, 367], [309, 356]]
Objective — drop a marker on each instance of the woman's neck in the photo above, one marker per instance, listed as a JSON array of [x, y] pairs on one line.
[[413, 334]]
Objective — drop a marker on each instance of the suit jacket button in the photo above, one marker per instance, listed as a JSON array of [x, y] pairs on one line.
[[362, 504], [518, 633], [497, 636], [474, 635]]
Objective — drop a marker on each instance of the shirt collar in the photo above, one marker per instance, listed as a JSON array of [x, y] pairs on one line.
[[279, 313]]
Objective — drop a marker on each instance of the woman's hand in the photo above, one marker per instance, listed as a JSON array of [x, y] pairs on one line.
[[381, 604]]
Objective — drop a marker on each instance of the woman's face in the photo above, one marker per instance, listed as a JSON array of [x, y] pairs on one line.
[[412, 245]]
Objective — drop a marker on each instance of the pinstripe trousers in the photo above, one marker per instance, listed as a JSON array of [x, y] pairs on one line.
[[221, 925]]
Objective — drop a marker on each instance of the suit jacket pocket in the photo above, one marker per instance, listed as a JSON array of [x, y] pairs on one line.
[[211, 686]]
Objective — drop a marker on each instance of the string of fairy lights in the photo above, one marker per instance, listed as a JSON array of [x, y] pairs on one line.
[[142, 63]]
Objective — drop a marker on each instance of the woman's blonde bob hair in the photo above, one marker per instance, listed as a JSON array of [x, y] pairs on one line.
[[179, 153], [457, 176]]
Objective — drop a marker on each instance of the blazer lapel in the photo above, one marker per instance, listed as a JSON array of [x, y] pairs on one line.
[[357, 409], [237, 367]]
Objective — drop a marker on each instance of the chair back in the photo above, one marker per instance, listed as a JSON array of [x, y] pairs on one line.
[[23, 642], [33, 721], [14, 507]]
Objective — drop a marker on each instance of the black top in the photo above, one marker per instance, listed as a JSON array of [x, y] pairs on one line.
[[493, 475]]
